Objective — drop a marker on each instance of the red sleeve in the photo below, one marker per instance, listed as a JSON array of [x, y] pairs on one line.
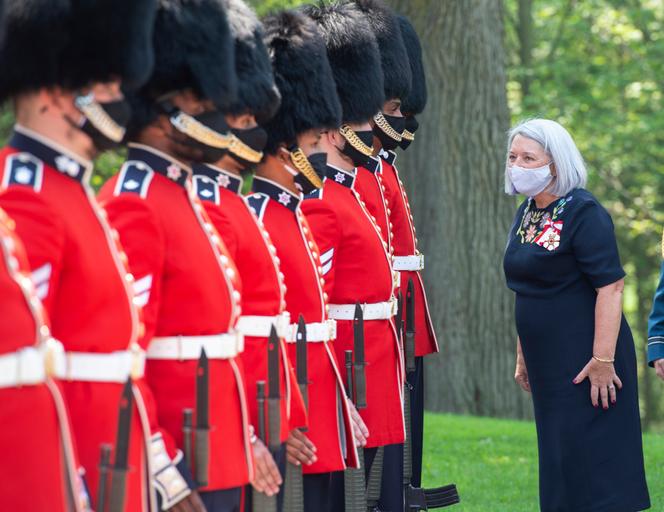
[[43, 235], [326, 230], [142, 239]]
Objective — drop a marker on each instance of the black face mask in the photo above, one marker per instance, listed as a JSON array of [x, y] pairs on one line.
[[358, 158], [395, 126], [105, 122], [250, 151], [315, 163], [202, 138], [411, 126]]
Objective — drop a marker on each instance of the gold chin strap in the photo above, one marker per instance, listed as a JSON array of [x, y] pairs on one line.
[[94, 112], [241, 150], [198, 131], [406, 135], [302, 164], [351, 137], [382, 123]]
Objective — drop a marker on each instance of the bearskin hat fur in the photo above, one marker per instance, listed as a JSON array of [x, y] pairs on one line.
[[354, 56], [257, 92], [304, 78], [73, 43], [394, 59], [416, 100]]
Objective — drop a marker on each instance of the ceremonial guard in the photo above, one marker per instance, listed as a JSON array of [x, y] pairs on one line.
[[219, 187], [185, 280], [357, 265], [407, 258], [293, 165], [35, 438], [656, 326], [62, 67]]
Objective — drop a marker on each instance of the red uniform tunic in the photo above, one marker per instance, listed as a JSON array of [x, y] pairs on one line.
[[79, 274], [329, 419], [369, 184], [404, 243], [35, 437], [189, 288], [357, 268], [263, 288]]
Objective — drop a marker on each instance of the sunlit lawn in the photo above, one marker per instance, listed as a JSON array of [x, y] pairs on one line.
[[494, 462]]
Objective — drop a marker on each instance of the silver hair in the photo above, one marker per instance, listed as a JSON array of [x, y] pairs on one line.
[[558, 143]]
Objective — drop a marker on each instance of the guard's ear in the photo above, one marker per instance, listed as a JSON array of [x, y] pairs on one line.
[[283, 155]]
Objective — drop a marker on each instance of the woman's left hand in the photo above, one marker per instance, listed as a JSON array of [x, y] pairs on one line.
[[603, 382]]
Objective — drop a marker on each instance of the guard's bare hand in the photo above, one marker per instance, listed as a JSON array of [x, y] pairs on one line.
[[299, 449], [603, 382], [191, 503], [360, 430], [659, 368], [267, 478]]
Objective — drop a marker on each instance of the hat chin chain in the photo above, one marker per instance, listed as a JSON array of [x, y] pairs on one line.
[[241, 150], [198, 131], [99, 118], [385, 127], [302, 164], [351, 137]]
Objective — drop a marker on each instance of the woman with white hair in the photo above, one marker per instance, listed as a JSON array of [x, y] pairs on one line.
[[575, 351]]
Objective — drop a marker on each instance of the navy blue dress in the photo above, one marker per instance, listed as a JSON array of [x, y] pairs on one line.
[[590, 460]]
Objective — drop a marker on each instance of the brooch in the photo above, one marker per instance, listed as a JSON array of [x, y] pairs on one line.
[[550, 236]]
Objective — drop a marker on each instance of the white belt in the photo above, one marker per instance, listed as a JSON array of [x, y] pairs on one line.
[[23, 368], [316, 332], [32, 365], [102, 367], [413, 262], [377, 311], [260, 326], [184, 348]]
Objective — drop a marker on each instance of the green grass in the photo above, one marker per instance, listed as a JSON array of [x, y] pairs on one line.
[[494, 462]]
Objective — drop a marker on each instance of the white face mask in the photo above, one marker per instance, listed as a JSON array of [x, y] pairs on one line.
[[530, 182]]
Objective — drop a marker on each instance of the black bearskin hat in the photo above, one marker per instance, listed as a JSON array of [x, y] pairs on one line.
[[73, 43], [394, 59], [193, 50], [354, 56], [416, 100], [304, 78], [257, 92]]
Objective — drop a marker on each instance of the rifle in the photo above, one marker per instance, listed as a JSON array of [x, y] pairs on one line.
[[294, 486], [117, 494], [415, 497], [202, 430], [354, 487], [104, 466]]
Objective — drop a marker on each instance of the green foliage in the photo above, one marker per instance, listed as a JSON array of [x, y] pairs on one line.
[[597, 68], [266, 6], [494, 462]]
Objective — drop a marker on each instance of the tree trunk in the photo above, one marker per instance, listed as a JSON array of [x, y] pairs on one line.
[[454, 173]]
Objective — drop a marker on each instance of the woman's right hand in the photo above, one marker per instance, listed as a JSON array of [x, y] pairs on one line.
[[521, 374]]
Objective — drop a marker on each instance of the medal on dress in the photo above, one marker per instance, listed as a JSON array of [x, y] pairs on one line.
[[550, 236]]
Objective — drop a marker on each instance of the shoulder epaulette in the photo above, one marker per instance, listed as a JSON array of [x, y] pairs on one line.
[[23, 169], [257, 204], [134, 178]]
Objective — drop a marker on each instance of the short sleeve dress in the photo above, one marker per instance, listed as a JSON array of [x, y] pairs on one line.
[[590, 460]]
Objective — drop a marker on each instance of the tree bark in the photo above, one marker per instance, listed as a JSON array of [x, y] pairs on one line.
[[453, 173]]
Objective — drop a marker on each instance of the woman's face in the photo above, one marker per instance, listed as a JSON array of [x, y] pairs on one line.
[[527, 153]]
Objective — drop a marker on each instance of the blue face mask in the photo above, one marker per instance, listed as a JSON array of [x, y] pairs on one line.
[[530, 182]]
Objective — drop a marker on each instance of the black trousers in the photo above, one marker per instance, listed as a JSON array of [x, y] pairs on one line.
[[280, 459], [317, 493], [416, 381], [227, 500]]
